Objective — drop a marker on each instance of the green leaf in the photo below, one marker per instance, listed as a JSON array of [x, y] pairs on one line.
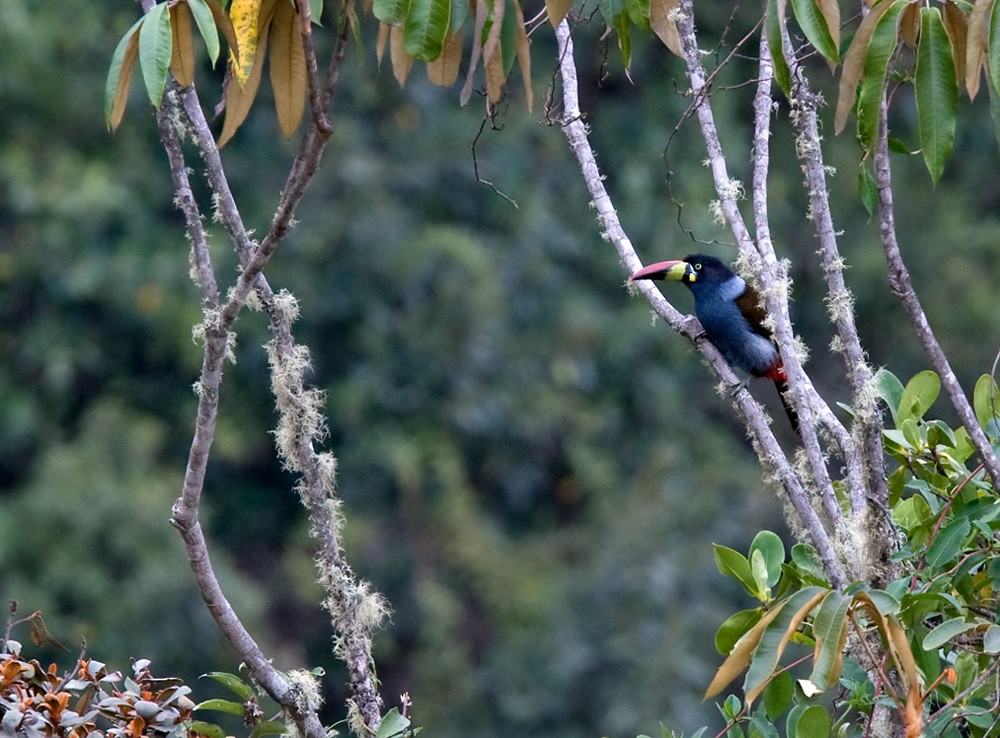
[[315, 11], [206, 27], [991, 640], [805, 558], [773, 551], [268, 727], [945, 632], [155, 46], [425, 28], [508, 39], [778, 695], [815, 28], [232, 682], [885, 602], [208, 729], [890, 389], [759, 569], [867, 189], [986, 400], [782, 74], [623, 27], [775, 638], [114, 79], [814, 722], [911, 513], [880, 48], [734, 564], [459, 10], [918, 396], [391, 12], [948, 544], [233, 708], [760, 727], [936, 92], [393, 724], [638, 13], [734, 628], [829, 630]]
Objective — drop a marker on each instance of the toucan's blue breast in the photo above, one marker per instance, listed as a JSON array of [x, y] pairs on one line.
[[726, 327]]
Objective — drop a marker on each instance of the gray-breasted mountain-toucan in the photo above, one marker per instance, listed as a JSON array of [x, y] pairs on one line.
[[731, 313]]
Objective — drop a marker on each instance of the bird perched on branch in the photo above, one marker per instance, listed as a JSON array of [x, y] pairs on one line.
[[731, 313]]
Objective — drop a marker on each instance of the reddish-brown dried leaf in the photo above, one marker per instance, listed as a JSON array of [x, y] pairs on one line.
[[443, 71], [182, 47], [402, 62], [288, 68], [663, 26]]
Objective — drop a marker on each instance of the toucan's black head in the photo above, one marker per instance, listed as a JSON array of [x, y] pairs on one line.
[[694, 269]]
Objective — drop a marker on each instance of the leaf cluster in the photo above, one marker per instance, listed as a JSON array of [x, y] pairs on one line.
[[936, 623]]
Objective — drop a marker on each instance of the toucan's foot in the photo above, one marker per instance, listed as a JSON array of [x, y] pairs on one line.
[[734, 388]]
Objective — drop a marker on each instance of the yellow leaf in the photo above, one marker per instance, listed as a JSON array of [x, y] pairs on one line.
[[557, 10], [524, 55], [956, 25], [854, 64], [443, 71], [224, 24], [245, 15], [288, 68], [239, 98], [182, 47], [402, 62], [495, 77], [383, 39], [663, 26], [124, 77], [975, 45]]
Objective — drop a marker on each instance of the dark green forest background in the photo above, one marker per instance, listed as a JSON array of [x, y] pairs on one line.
[[533, 473]]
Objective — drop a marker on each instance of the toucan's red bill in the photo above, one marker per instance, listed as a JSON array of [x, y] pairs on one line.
[[654, 271]]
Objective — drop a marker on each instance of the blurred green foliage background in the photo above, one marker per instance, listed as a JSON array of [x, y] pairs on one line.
[[532, 472]]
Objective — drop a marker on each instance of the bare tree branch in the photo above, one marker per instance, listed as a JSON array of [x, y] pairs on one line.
[[902, 288]]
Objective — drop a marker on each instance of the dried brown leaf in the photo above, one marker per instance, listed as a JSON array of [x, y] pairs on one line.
[[443, 71], [402, 62], [288, 68], [975, 45], [909, 25], [854, 65], [124, 78], [830, 9], [956, 25], [663, 26], [182, 48], [382, 41], [557, 10], [224, 24], [524, 55], [495, 77]]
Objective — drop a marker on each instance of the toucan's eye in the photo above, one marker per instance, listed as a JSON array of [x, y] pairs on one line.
[[697, 267]]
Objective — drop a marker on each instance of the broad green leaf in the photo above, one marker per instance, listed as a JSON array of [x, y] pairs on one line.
[[424, 30], [829, 630], [228, 706], [119, 74], [890, 389], [287, 68], [508, 39], [814, 722], [936, 92], [814, 25], [315, 11], [739, 657], [459, 11], [268, 727], [205, 21], [732, 563], [225, 24], [876, 63], [759, 569], [948, 544], [805, 558], [773, 551], [911, 513], [776, 636], [918, 395], [232, 682], [761, 727], [393, 724], [200, 727], [885, 602], [734, 628], [945, 632], [155, 46], [995, 112], [986, 400], [782, 74], [991, 640], [624, 29], [778, 695], [391, 12], [638, 13]]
